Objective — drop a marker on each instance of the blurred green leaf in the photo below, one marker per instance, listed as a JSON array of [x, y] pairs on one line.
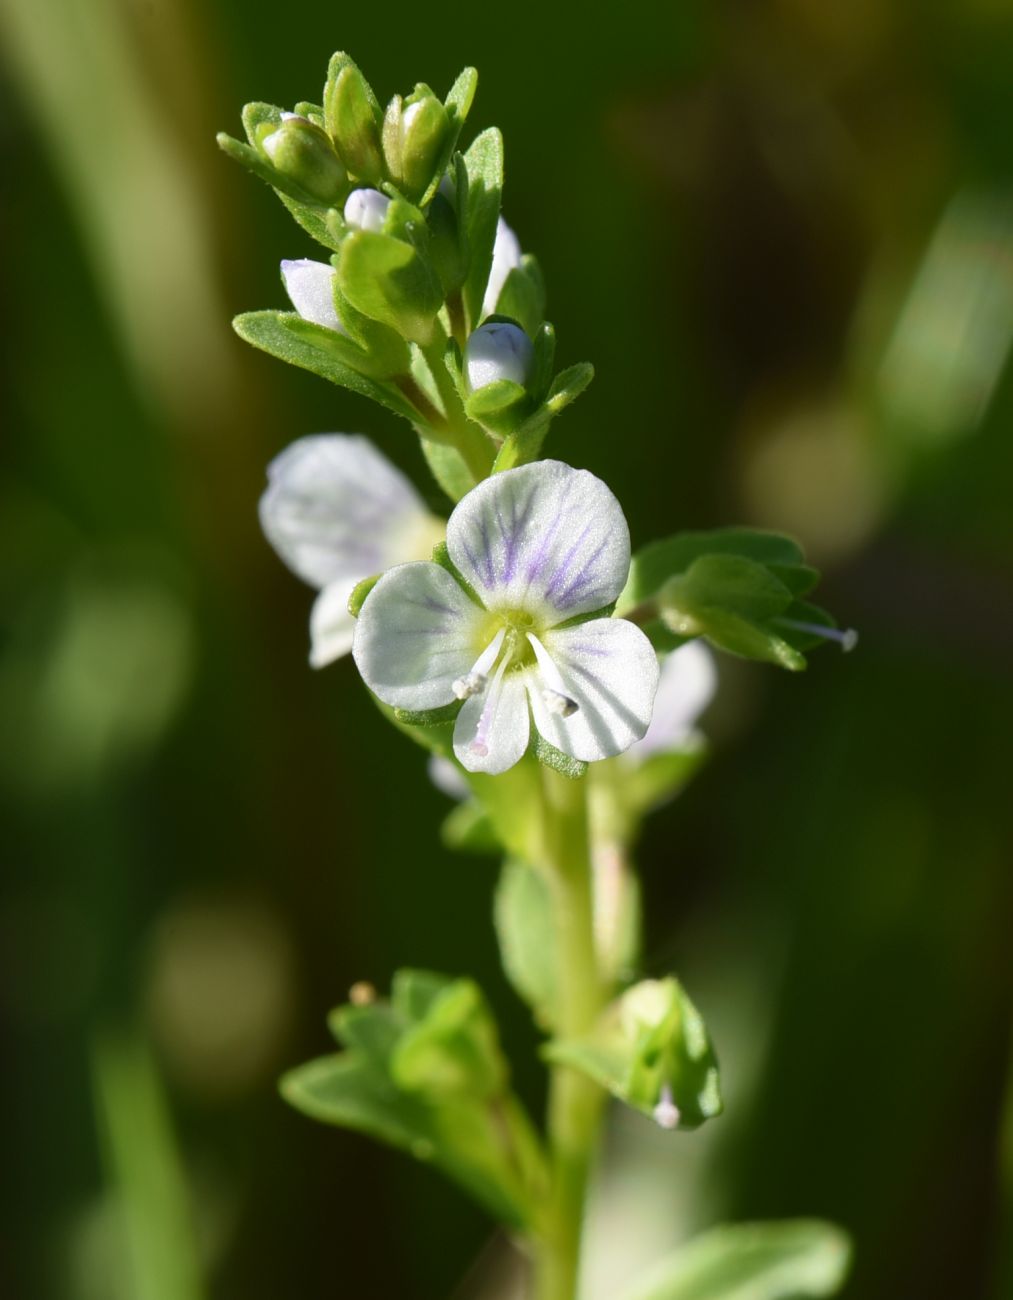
[[527, 937], [791, 1260], [655, 563]]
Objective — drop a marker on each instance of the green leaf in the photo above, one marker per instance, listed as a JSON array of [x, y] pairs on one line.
[[352, 116], [387, 280], [549, 756], [448, 468], [568, 386], [350, 1091], [791, 1260], [655, 563], [288, 337], [527, 938], [484, 163], [500, 406], [454, 1049], [467, 828], [458, 104], [650, 1040]]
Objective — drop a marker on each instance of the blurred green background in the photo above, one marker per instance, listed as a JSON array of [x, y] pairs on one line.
[[783, 232]]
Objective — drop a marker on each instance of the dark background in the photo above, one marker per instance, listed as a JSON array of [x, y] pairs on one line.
[[783, 232]]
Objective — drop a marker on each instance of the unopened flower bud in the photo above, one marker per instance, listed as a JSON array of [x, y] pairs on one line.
[[310, 285], [366, 209], [348, 112], [413, 135], [302, 152], [498, 350]]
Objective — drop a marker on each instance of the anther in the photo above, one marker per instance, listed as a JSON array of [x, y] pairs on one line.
[[666, 1113], [557, 702], [847, 638], [471, 684]]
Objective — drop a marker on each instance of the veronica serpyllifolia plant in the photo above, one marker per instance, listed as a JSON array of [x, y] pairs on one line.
[[554, 677]]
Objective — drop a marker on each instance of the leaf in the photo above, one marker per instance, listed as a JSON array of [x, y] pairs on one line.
[[359, 593], [484, 163], [347, 1090], [387, 280], [655, 563], [467, 828], [458, 104], [522, 297], [527, 939], [288, 337], [791, 1260], [448, 468]]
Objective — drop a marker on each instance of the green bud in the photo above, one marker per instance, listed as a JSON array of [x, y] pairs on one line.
[[302, 152], [454, 1049], [414, 131], [352, 118]]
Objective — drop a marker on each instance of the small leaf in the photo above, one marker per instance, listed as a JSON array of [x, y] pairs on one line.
[[522, 297], [799, 1259], [527, 937], [387, 280], [655, 563], [347, 1090], [458, 104], [448, 468], [568, 386], [484, 163], [290, 338], [467, 828]]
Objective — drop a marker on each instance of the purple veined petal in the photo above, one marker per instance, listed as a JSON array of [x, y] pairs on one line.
[[331, 625], [310, 286], [493, 729], [610, 672], [415, 636], [335, 507], [689, 678], [545, 538], [506, 254]]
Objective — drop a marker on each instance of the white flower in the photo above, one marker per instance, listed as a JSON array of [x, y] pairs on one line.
[[687, 684], [366, 209], [310, 285], [506, 254], [540, 546], [337, 511], [498, 350]]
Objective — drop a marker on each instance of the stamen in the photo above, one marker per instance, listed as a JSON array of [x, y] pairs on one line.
[[666, 1113], [554, 693], [557, 702], [479, 746], [474, 682], [847, 638]]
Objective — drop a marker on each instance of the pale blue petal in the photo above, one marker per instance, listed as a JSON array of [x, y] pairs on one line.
[[415, 636], [688, 681], [336, 508], [310, 286], [609, 669], [545, 538], [506, 254], [331, 625]]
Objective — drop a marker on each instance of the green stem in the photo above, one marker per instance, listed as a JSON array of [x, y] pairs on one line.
[[575, 1101], [475, 448]]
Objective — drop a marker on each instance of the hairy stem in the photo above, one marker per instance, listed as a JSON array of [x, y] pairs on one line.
[[575, 1102]]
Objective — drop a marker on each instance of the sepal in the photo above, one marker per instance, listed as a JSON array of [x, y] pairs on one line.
[[389, 281], [790, 1259], [353, 117], [651, 1050]]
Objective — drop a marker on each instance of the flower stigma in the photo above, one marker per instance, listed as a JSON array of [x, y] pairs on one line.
[[666, 1113]]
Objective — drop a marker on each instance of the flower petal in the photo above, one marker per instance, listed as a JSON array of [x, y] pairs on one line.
[[506, 254], [687, 684], [492, 729], [310, 285], [331, 625], [415, 636], [545, 538], [335, 507], [610, 671]]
